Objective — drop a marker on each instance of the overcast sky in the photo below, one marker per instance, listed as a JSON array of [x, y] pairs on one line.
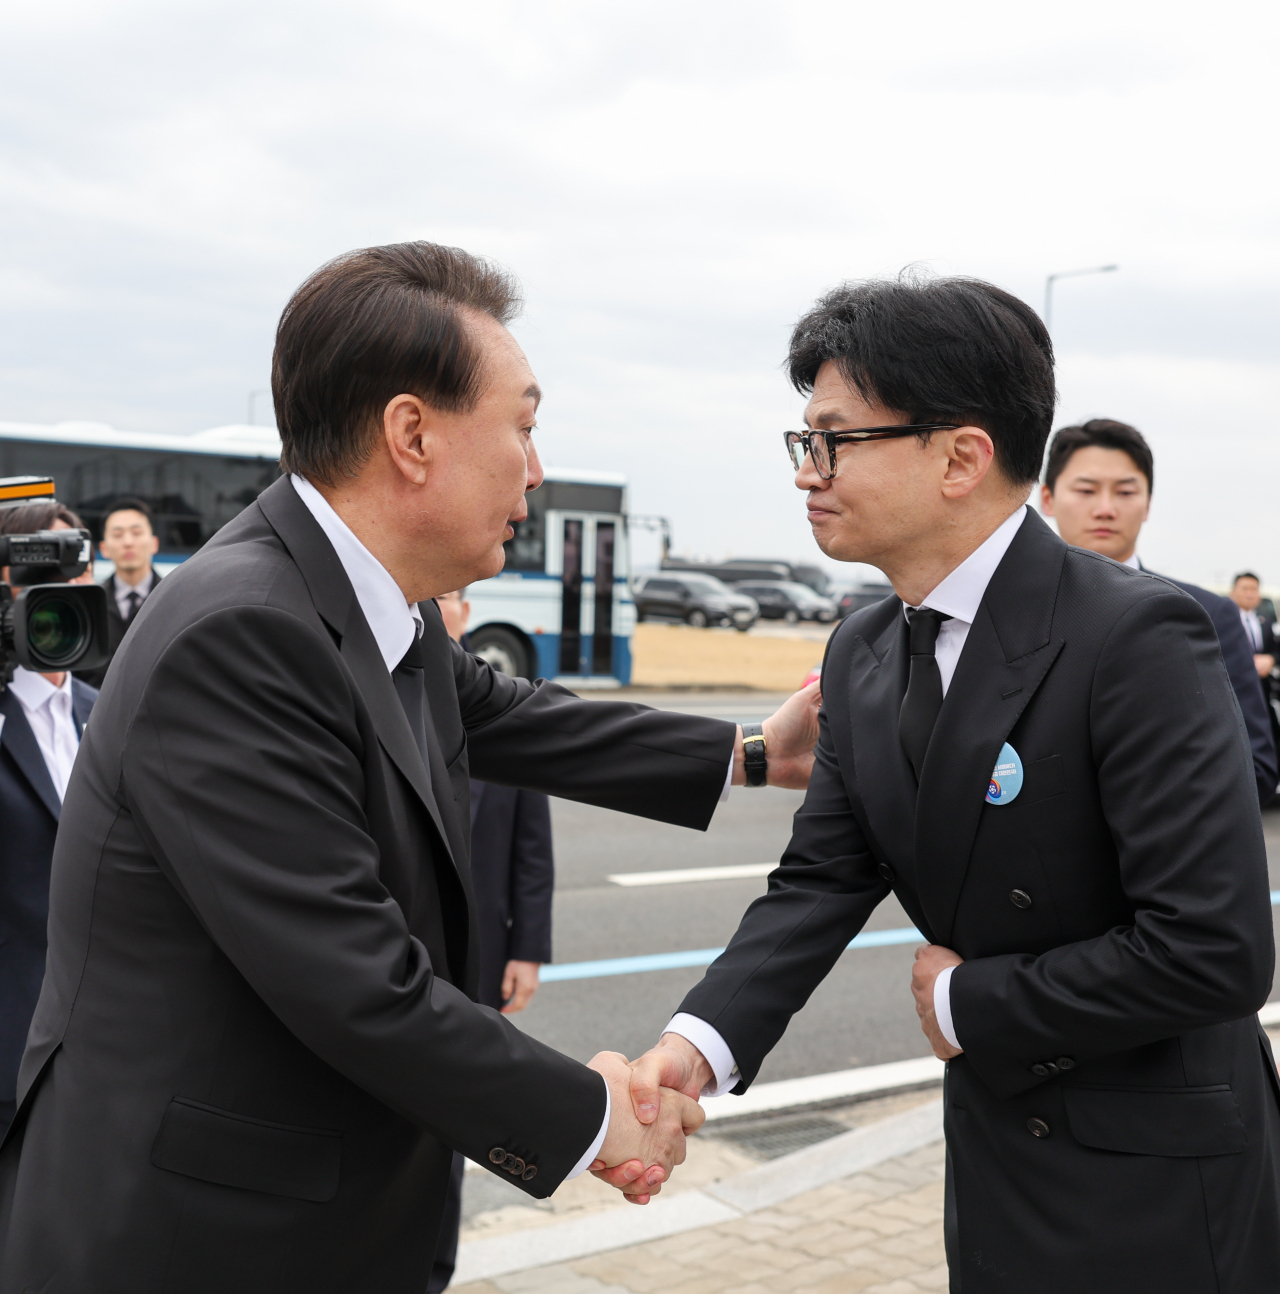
[[674, 183]]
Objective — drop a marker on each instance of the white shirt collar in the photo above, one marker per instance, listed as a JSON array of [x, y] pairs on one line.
[[34, 690], [1132, 562], [394, 622], [961, 593]]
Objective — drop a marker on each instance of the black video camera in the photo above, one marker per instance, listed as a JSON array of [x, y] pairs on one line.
[[44, 626]]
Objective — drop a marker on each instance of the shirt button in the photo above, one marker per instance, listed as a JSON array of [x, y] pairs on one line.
[[1037, 1127], [497, 1155], [1020, 899], [1065, 1062]]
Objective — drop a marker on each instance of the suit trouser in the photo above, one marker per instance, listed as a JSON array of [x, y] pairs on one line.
[[450, 1224]]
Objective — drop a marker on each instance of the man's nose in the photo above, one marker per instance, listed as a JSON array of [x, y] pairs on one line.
[[807, 477], [534, 477]]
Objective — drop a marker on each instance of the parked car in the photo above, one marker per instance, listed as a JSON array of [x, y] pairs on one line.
[[739, 570], [863, 595], [786, 600], [698, 600]]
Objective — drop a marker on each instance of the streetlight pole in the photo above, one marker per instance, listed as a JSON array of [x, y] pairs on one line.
[[1067, 274], [253, 395]]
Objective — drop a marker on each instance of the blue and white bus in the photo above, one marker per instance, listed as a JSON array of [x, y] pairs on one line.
[[562, 608]]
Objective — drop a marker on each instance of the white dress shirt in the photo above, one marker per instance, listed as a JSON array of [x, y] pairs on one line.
[[394, 623], [958, 596], [123, 591], [1253, 627], [48, 711]]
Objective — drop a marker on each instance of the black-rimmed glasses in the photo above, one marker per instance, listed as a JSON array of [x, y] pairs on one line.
[[821, 445]]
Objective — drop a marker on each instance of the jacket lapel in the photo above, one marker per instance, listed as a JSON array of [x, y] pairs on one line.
[[885, 782], [336, 603], [1005, 659], [18, 739]]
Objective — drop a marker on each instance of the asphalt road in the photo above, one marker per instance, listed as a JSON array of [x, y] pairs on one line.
[[861, 1014]]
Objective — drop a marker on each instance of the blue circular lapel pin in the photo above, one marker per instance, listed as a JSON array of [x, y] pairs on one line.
[[1006, 777]]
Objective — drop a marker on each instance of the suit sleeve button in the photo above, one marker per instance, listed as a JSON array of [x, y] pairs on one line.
[[1037, 1127], [886, 871], [508, 1160], [530, 1173], [1040, 1071], [1065, 1062], [1020, 899], [497, 1155], [1051, 1067], [517, 1169]]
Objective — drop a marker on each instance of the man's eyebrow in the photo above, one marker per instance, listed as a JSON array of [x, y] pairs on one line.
[[1119, 480], [824, 419], [533, 392]]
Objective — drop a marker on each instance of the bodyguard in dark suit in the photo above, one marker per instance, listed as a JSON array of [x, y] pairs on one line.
[[1038, 752], [1098, 481], [29, 811], [257, 1044]]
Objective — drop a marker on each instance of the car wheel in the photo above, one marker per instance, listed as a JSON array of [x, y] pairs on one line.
[[743, 625], [698, 619], [792, 616], [503, 650]]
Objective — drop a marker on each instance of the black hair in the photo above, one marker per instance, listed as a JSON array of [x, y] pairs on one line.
[[129, 505], [1245, 575], [28, 518], [938, 350], [1105, 433], [367, 327]]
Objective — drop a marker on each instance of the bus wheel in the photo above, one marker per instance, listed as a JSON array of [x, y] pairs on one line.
[[503, 650]]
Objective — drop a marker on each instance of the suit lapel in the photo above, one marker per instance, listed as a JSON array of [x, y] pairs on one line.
[[335, 601], [886, 784], [1006, 657], [18, 739]]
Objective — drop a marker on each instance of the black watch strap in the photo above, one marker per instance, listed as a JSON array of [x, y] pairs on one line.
[[755, 758]]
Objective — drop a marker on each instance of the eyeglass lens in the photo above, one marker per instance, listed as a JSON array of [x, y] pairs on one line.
[[817, 446]]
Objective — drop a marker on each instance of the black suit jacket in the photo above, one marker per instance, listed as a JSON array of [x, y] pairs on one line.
[[513, 873], [116, 629], [1237, 656], [29, 812], [1114, 918], [257, 1044]]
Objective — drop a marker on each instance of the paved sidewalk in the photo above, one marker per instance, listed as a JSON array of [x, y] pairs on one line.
[[878, 1232]]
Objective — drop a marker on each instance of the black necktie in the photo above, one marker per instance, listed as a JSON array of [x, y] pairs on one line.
[[407, 678], [134, 602], [923, 700]]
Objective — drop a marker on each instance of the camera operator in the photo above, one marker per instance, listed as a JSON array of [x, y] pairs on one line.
[[41, 719]]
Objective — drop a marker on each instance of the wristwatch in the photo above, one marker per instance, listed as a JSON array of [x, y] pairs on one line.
[[754, 756]]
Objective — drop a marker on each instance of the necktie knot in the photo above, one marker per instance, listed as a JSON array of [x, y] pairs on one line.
[[924, 623]]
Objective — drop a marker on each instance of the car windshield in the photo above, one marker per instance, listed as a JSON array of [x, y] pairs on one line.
[[799, 592], [706, 585]]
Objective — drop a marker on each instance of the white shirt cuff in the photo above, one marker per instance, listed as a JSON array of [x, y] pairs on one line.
[[593, 1150], [709, 1042], [728, 781], [942, 1006]]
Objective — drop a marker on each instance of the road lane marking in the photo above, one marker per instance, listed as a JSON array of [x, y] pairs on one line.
[[705, 956], [734, 872]]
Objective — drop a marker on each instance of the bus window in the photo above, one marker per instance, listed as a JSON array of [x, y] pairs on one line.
[[602, 639], [527, 551], [571, 600]]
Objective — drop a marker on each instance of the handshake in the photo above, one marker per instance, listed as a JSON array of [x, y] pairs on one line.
[[653, 1108]]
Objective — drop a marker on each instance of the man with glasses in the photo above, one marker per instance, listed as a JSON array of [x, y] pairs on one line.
[[1036, 750]]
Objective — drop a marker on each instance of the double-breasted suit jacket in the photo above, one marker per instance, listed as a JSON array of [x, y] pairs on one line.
[[1113, 1123], [256, 1046]]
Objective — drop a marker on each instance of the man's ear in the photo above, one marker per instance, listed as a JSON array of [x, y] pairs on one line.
[[970, 454], [1046, 501], [406, 432]]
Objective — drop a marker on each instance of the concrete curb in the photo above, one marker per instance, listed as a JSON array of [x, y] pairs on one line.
[[757, 1188]]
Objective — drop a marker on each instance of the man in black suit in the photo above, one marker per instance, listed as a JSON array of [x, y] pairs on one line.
[[41, 719], [513, 874], [129, 540], [1037, 750], [1246, 594], [257, 1044], [1098, 482]]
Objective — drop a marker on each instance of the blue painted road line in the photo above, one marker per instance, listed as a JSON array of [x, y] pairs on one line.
[[705, 956]]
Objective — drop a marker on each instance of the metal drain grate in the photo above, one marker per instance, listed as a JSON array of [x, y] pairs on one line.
[[771, 1138]]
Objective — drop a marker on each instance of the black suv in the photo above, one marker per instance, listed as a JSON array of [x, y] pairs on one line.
[[698, 600], [789, 601]]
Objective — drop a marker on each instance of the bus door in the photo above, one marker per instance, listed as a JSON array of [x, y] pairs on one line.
[[586, 551]]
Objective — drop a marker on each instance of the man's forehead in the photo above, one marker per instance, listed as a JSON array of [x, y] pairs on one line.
[[1102, 462]]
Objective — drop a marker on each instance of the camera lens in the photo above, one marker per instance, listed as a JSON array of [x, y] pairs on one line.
[[57, 630]]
